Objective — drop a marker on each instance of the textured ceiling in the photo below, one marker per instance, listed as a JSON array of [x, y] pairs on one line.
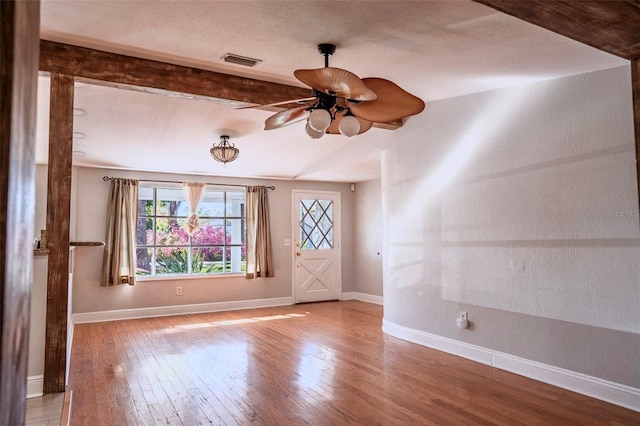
[[433, 49]]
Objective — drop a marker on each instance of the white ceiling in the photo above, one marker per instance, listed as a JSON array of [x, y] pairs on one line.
[[433, 49]]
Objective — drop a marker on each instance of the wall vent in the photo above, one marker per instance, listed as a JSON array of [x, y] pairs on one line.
[[240, 60]]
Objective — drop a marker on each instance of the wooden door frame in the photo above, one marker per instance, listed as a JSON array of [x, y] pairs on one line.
[[294, 233]]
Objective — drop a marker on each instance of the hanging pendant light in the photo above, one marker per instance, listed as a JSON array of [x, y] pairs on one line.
[[225, 151]]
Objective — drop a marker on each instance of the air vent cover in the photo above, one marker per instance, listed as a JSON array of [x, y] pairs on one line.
[[240, 60]]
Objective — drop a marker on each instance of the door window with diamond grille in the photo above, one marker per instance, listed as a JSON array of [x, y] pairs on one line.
[[317, 273], [316, 224]]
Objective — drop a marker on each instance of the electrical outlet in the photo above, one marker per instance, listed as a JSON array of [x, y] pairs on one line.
[[178, 291], [463, 320]]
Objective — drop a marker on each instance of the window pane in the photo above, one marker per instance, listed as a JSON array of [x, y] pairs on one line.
[[206, 260], [171, 260], [316, 224], [145, 193], [172, 202], [211, 232], [211, 254], [145, 207], [235, 203], [236, 259], [235, 231], [143, 261], [144, 231], [170, 232], [212, 204]]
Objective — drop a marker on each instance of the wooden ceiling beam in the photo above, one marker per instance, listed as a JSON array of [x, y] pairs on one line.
[[611, 26], [128, 72], [144, 73]]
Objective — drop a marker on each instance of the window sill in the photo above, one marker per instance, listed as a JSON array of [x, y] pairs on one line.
[[178, 277]]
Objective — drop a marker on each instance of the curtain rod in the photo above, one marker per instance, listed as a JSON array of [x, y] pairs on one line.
[[108, 178]]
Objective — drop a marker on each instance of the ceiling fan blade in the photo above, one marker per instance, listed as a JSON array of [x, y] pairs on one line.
[[286, 117], [334, 128], [392, 102], [279, 103], [336, 82]]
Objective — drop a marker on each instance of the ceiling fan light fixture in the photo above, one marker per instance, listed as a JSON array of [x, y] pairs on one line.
[[349, 125], [345, 103], [224, 151], [313, 134], [319, 120]]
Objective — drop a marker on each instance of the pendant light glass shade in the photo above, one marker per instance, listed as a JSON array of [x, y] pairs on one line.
[[319, 119], [314, 134], [349, 125], [225, 151]]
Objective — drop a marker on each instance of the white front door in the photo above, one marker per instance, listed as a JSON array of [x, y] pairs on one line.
[[316, 229]]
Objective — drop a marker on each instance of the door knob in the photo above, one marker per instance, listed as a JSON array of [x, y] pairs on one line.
[[298, 253]]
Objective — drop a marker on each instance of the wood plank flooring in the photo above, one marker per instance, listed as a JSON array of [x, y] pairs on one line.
[[45, 410], [313, 364]]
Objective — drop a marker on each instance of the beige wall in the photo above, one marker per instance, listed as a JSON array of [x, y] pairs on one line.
[[88, 296], [368, 237], [520, 206], [39, 285], [38, 319]]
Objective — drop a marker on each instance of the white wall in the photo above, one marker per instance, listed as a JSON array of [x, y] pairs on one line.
[[520, 206], [88, 296], [37, 322], [368, 237]]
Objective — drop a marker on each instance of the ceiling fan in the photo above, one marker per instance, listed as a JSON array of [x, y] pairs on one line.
[[342, 103]]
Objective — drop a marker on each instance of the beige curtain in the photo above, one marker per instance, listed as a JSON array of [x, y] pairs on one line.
[[119, 260], [259, 254], [194, 192]]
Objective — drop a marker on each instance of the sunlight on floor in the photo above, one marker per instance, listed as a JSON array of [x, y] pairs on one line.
[[231, 322]]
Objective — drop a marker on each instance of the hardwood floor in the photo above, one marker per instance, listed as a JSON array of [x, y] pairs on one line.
[[317, 364], [52, 409]]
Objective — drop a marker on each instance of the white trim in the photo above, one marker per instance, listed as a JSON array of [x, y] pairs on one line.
[[615, 393], [348, 295], [369, 298], [35, 385], [184, 277], [363, 297], [161, 311]]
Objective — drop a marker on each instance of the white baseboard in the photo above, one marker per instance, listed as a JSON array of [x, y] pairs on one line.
[[615, 393], [35, 384], [162, 311], [363, 297], [369, 298]]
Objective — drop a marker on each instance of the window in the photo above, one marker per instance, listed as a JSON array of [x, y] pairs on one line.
[[316, 224], [163, 246]]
